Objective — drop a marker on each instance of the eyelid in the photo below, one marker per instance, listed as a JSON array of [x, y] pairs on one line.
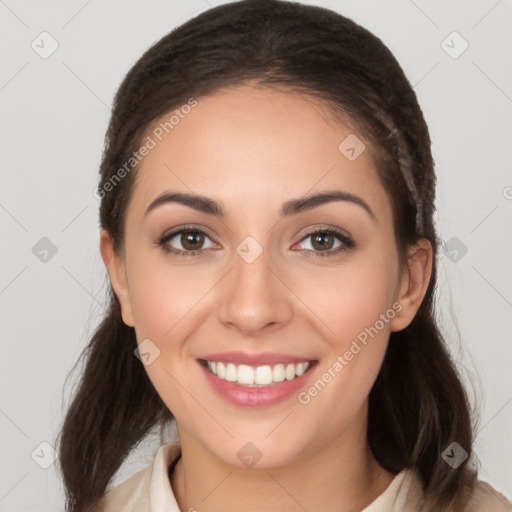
[[187, 227], [322, 228]]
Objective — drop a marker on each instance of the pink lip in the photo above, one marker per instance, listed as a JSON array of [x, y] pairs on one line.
[[244, 396], [255, 359]]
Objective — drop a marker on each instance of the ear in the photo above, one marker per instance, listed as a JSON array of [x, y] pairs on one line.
[[117, 273], [414, 283]]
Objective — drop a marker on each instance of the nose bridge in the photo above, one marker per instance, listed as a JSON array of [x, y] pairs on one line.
[[254, 298]]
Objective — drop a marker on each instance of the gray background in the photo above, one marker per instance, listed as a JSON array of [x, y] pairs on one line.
[[53, 115]]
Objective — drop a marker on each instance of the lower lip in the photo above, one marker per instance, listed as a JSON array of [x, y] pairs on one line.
[[244, 396]]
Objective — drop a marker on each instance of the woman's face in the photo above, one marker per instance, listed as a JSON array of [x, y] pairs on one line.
[[262, 292]]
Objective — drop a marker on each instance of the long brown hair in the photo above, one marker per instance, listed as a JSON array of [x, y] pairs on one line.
[[418, 404]]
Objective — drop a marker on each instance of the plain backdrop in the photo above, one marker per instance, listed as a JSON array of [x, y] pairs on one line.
[[54, 112]]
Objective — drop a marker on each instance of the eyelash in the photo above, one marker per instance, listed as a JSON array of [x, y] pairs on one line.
[[347, 242]]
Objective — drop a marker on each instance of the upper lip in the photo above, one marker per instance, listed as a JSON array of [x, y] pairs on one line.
[[263, 358]]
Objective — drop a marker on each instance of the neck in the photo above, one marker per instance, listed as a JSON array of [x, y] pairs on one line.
[[341, 475]]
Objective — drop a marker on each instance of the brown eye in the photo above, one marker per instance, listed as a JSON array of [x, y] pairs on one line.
[[192, 240], [186, 242], [322, 241], [326, 242]]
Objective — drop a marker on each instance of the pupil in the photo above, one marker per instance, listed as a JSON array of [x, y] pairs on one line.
[[322, 244], [192, 238]]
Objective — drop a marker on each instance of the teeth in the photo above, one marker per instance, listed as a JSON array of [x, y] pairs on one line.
[[263, 375], [245, 374], [290, 372], [258, 376], [278, 373], [221, 370], [231, 373], [300, 369]]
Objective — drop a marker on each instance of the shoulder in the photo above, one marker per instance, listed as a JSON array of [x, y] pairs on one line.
[[485, 497], [130, 495], [149, 485]]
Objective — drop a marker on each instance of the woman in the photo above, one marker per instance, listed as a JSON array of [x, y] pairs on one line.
[[267, 195]]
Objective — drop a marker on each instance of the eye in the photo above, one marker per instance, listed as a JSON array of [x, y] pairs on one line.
[[323, 242], [190, 241]]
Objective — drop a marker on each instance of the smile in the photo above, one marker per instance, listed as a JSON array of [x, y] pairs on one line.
[[256, 379], [259, 376]]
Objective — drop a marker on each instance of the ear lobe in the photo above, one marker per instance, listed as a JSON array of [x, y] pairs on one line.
[[414, 284], [117, 274]]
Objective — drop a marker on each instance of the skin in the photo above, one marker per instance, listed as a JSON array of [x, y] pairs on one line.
[[252, 150]]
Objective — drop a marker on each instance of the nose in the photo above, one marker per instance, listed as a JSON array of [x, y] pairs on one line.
[[254, 298]]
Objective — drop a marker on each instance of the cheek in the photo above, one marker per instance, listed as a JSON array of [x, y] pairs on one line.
[[355, 306], [347, 299], [165, 300], [163, 295]]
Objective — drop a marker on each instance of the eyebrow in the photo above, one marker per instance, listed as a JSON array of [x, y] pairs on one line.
[[291, 207]]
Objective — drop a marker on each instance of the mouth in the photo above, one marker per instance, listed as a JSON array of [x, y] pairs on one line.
[[254, 384], [256, 376]]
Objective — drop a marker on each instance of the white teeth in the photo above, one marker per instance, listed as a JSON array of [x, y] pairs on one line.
[[278, 373], [258, 376], [221, 370], [231, 373], [300, 369], [263, 375], [290, 372], [245, 374]]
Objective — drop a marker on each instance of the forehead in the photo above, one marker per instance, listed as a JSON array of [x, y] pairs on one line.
[[250, 146]]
